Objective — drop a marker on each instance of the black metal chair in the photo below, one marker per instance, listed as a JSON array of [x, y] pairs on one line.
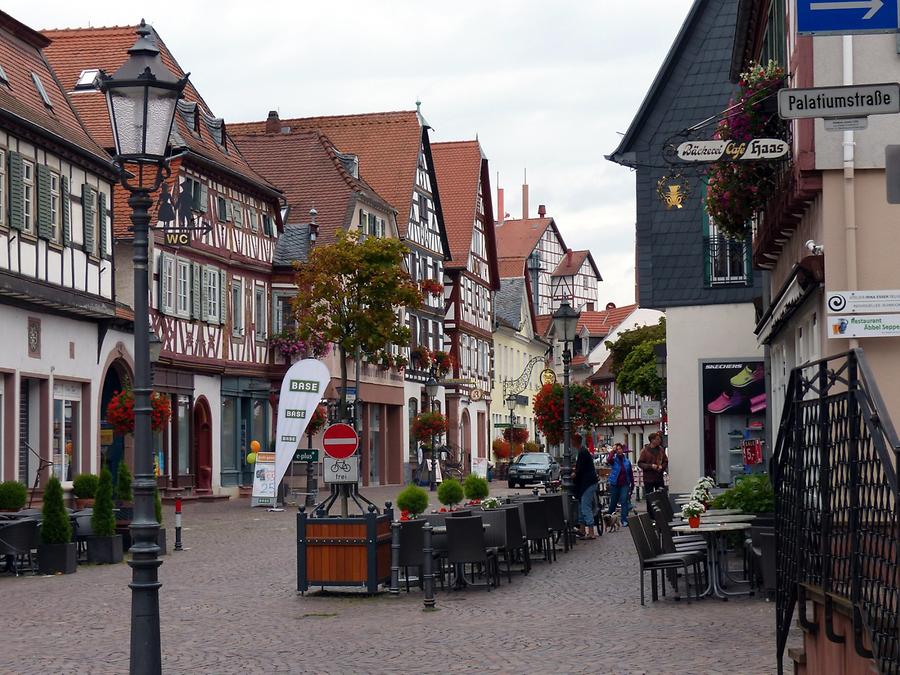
[[81, 531], [537, 527], [656, 501], [466, 546], [653, 563], [517, 544], [496, 536], [17, 540], [558, 517]]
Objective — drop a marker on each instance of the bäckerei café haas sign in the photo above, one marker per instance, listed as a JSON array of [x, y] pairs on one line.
[[714, 150]]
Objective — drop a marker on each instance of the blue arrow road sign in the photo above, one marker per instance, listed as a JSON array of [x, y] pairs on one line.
[[846, 17]]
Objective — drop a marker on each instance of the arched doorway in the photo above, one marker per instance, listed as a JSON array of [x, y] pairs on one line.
[[466, 441], [114, 448], [203, 444]]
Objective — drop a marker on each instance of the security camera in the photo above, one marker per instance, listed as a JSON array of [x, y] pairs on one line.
[[814, 248]]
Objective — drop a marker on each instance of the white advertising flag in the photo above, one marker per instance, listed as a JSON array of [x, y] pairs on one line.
[[301, 391]]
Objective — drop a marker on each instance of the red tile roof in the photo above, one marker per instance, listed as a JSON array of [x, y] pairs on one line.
[[458, 168], [542, 324], [606, 321], [73, 50], [516, 239], [511, 268], [570, 264], [20, 56], [306, 167], [387, 145]]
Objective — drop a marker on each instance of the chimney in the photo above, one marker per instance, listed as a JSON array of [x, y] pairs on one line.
[[568, 256], [273, 124], [542, 211], [500, 211], [524, 200], [610, 305], [589, 307]]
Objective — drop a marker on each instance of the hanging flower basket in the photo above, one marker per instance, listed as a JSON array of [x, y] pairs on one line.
[[516, 436], [442, 361], [420, 357], [432, 287], [429, 424], [290, 345], [120, 411], [737, 190]]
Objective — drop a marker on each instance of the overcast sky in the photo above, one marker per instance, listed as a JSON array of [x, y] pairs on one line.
[[547, 86]]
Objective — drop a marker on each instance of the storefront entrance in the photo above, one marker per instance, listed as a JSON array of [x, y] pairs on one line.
[[203, 444], [246, 417]]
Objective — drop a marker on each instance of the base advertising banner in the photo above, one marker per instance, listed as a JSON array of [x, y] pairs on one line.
[[301, 391]]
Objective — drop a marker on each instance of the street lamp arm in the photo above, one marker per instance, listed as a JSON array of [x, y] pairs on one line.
[[520, 384]]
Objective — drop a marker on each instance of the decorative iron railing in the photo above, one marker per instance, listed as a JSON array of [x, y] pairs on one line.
[[836, 507]]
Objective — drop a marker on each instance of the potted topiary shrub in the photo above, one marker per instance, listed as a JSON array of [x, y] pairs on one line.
[[56, 552], [475, 488], [85, 488], [450, 493], [412, 502], [104, 546], [124, 505], [161, 538], [13, 495]]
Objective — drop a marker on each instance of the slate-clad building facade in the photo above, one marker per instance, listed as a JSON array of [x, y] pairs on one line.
[[703, 282]]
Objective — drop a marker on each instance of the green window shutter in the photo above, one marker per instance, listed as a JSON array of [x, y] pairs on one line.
[[16, 191], [66, 213], [229, 211], [163, 285], [237, 213], [87, 213], [45, 224], [223, 296], [203, 206], [196, 291], [101, 219]]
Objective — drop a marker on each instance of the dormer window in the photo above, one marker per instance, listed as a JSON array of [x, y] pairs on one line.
[[88, 79], [40, 90], [3, 78]]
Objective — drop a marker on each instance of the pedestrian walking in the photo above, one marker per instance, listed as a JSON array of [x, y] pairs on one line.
[[654, 462], [584, 482], [621, 482]]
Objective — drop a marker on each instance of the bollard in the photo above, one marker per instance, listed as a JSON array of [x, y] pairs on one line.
[[395, 558], [178, 546], [427, 568]]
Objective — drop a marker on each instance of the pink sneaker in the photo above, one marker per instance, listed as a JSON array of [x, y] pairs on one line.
[[725, 402]]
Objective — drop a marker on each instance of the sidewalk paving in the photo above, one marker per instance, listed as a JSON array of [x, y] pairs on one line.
[[228, 605]]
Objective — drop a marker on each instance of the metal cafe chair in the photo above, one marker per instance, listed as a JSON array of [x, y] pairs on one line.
[[17, 540]]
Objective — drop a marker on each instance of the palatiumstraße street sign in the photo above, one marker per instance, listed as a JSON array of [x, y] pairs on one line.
[[847, 17], [857, 100]]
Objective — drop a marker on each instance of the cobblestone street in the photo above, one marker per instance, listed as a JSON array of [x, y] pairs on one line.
[[228, 605]]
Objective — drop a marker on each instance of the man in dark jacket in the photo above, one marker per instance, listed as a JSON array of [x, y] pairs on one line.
[[654, 462]]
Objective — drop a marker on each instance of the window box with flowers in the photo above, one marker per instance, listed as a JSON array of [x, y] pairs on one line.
[[420, 358], [291, 346], [443, 362], [400, 363], [120, 411], [737, 190], [432, 287]]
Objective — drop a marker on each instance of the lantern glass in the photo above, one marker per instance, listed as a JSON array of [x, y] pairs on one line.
[[431, 387], [511, 402], [142, 118], [565, 322]]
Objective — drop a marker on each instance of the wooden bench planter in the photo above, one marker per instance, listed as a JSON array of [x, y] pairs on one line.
[[336, 551]]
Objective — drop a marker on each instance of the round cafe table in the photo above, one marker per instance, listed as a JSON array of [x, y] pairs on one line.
[[718, 563]]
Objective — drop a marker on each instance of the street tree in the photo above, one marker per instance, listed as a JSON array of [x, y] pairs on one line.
[[634, 362], [351, 293]]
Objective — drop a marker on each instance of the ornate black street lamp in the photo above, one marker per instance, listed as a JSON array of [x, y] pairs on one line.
[[431, 390], [565, 325], [511, 402], [142, 96]]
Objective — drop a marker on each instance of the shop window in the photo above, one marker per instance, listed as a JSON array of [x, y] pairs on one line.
[[182, 432], [66, 430], [230, 447], [259, 430]]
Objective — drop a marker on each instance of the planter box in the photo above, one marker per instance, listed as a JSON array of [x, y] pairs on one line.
[[57, 558], [344, 551], [81, 504], [105, 550]]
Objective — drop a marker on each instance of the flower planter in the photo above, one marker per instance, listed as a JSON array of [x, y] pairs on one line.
[[694, 521], [57, 558], [104, 550], [81, 504]]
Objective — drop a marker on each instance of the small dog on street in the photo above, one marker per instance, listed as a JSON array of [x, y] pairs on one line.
[[611, 521]]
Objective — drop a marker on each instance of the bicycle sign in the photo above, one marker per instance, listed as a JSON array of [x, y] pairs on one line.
[[341, 470]]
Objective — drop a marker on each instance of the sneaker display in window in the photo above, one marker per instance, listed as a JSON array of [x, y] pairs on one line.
[[758, 403], [726, 401], [748, 376]]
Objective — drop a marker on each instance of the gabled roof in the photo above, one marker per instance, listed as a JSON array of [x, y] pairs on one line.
[[387, 145], [307, 168], [292, 245], [572, 262], [516, 239], [619, 155], [604, 322], [461, 167], [20, 56], [73, 50]]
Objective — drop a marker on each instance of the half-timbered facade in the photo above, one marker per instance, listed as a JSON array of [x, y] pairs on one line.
[[471, 278], [217, 222], [393, 152], [576, 279], [62, 330]]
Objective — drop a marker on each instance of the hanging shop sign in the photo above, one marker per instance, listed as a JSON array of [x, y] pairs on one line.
[[301, 391], [548, 376], [715, 150], [476, 395], [864, 302], [833, 102], [673, 190], [869, 325]]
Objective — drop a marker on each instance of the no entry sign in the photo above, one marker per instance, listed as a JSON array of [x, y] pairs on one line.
[[340, 441]]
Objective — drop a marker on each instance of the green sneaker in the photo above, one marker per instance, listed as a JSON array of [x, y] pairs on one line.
[[747, 376]]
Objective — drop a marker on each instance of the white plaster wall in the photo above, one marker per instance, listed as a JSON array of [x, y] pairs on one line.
[[694, 334], [210, 386]]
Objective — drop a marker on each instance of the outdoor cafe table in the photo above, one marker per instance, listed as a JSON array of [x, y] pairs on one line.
[[714, 518], [718, 562]]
